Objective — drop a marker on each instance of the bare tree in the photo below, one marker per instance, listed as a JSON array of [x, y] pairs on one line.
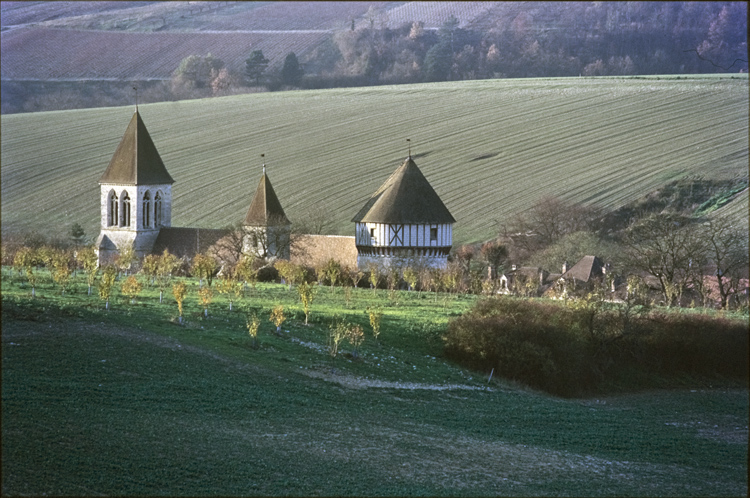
[[229, 249], [267, 242], [316, 220], [669, 248], [546, 222], [495, 254], [727, 250], [464, 255]]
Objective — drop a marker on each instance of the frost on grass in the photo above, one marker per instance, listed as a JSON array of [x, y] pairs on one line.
[[353, 382]]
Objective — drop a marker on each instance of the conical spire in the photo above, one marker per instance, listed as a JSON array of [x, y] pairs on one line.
[[406, 197], [265, 208], [136, 160]]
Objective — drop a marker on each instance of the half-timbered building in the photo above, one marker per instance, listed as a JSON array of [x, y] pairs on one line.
[[404, 223]]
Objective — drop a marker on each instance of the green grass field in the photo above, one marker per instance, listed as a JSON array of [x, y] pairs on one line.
[[490, 148], [126, 402]]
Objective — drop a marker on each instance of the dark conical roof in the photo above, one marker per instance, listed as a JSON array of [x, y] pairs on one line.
[[406, 197], [265, 209], [136, 160]]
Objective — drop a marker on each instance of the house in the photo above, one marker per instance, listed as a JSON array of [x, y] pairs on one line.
[[525, 280], [404, 223], [588, 273], [585, 275]]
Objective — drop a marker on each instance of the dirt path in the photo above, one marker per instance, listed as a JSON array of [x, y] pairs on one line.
[[353, 382]]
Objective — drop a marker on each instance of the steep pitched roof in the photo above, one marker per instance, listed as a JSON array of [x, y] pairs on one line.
[[265, 208], [406, 197], [587, 268], [136, 160]]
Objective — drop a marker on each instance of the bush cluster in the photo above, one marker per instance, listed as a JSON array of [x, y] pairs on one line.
[[574, 351]]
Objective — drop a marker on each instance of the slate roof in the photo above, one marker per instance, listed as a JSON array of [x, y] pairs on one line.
[[588, 267], [186, 241], [265, 208], [106, 244], [136, 160], [405, 197]]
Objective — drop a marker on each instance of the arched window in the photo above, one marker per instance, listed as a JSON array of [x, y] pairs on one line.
[[125, 209], [146, 209], [112, 209], [157, 209]]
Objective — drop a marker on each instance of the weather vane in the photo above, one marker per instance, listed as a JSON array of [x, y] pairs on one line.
[[408, 141], [262, 157], [136, 98]]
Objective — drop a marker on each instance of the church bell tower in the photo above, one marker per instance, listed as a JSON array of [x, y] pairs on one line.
[[136, 195]]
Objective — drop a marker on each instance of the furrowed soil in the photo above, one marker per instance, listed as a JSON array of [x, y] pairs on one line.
[[99, 408], [490, 148]]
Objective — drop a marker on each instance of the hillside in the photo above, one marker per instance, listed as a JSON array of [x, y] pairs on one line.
[[120, 56], [489, 148], [72, 55], [125, 402]]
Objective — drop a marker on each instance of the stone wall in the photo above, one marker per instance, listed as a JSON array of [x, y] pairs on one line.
[[313, 250]]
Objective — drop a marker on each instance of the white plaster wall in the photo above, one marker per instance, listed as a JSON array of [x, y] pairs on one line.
[[412, 235]]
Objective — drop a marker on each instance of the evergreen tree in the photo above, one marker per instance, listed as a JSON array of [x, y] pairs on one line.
[[291, 73], [77, 234], [256, 65], [437, 62]]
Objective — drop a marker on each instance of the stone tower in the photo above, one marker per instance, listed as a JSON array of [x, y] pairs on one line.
[[404, 223], [266, 228], [136, 195]]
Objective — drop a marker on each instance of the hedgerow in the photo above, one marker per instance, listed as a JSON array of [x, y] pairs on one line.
[[561, 350]]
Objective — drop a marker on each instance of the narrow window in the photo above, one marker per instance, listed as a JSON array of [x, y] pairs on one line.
[[157, 209], [125, 214], [372, 234], [433, 234], [146, 209], [112, 210]]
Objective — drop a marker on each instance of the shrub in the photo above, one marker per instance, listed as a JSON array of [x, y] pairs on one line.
[[563, 351], [268, 274], [696, 344]]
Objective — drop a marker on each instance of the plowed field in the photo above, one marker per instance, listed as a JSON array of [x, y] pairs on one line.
[[489, 148]]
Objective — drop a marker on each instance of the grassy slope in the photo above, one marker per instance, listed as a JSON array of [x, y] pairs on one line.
[[490, 148], [125, 402]]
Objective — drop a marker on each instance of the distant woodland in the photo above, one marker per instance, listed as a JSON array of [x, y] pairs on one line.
[[547, 39], [510, 40]]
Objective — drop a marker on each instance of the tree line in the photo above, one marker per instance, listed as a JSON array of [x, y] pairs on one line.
[[554, 39], [537, 39], [548, 39]]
